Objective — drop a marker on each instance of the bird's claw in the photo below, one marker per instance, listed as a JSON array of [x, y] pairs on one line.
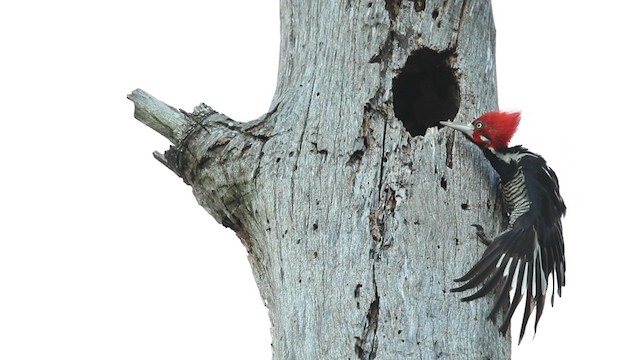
[[481, 235]]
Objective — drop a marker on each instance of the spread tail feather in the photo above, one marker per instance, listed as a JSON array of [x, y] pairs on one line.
[[516, 260]]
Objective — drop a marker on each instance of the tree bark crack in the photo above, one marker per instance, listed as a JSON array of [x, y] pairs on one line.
[[393, 8], [418, 5], [386, 50], [367, 344], [449, 150], [461, 20]]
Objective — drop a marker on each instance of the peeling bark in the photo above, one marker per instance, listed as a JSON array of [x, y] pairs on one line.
[[355, 228]]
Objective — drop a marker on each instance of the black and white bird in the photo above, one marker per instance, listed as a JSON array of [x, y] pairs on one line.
[[522, 257]]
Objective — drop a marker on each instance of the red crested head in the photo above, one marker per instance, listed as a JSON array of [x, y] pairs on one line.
[[495, 129]]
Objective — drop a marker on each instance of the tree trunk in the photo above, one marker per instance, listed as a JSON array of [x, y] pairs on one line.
[[354, 206]]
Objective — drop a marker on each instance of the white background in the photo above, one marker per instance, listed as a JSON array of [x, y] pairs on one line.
[[105, 254]]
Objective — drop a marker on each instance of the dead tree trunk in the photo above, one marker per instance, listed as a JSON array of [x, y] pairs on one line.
[[354, 206]]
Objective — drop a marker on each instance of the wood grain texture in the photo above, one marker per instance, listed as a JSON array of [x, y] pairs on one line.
[[354, 229]]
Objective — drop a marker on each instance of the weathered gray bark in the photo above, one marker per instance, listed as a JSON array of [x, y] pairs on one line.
[[354, 228]]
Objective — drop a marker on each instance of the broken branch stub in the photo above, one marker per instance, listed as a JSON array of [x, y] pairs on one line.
[[202, 138]]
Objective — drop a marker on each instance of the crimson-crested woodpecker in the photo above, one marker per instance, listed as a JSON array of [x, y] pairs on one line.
[[522, 257]]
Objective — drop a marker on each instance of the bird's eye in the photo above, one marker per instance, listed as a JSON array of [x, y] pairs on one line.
[[479, 125]]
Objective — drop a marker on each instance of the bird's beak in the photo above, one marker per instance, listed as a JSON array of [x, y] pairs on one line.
[[466, 129]]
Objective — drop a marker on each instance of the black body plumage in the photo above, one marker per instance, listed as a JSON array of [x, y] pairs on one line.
[[531, 249]]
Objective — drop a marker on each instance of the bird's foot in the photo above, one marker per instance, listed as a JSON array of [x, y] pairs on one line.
[[481, 235]]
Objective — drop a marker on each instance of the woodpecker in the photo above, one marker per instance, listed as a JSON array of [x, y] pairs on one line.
[[522, 257]]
